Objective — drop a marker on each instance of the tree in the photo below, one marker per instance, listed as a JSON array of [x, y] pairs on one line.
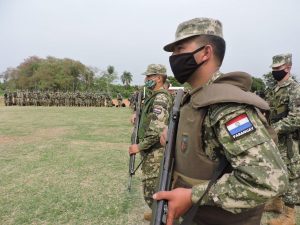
[[269, 80], [109, 76], [258, 85], [49, 74], [174, 82], [126, 78]]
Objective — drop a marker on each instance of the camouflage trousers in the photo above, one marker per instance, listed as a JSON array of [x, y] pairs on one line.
[[292, 195], [149, 188], [150, 170]]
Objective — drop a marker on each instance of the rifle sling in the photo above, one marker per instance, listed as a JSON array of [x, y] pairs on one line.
[[217, 173], [139, 165]]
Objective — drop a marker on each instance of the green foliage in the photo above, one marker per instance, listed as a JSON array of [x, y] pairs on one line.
[[174, 82], [126, 78], [110, 75], [49, 74], [65, 75], [125, 91], [258, 85], [269, 80]]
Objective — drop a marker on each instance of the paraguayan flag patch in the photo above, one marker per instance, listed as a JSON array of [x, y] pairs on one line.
[[239, 126], [157, 110]]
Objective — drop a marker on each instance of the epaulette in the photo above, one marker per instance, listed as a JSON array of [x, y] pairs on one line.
[[218, 111]]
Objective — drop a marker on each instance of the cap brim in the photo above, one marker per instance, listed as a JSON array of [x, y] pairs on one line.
[[170, 47], [148, 74], [276, 65]]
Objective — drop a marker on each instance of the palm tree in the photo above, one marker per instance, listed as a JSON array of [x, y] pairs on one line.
[[109, 76], [126, 78]]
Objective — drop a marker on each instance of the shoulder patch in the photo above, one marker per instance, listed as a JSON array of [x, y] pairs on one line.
[[239, 126], [157, 110]]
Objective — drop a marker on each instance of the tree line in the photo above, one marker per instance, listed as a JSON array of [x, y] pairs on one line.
[[56, 74]]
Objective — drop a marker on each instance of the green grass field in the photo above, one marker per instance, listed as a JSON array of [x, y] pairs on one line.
[[66, 166], [62, 165]]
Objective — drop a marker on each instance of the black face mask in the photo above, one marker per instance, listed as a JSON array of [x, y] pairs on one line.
[[279, 75], [184, 65]]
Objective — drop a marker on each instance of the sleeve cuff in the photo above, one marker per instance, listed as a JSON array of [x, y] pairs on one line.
[[198, 191], [141, 147]]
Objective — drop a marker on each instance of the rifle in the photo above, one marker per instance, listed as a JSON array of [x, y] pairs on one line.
[[134, 137], [160, 208]]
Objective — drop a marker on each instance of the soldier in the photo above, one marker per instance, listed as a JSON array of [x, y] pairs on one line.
[[154, 117], [5, 98], [284, 100], [167, 85], [120, 99], [221, 133]]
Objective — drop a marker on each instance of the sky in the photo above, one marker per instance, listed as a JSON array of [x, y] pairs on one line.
[[130, 34]]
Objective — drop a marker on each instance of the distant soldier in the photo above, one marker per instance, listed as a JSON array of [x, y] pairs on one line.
[[167, 84], [154, 118], [10, 98], [133, 99], [284, 100], [119, 99], [5, 98]]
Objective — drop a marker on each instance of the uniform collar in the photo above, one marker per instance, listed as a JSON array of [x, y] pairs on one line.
[[284, 84], [214, 77]]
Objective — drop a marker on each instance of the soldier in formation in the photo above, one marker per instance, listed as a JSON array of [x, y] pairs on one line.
[[221, 132], [57, 98], [284, 100], [154, 118], [119, 99]]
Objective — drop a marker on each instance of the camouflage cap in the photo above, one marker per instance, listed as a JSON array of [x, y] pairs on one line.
[[279, 60], [195, 27], [155, 69]]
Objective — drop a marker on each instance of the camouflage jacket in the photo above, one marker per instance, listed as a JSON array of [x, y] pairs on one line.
[[284, 100], [154, 118], [258, 172]]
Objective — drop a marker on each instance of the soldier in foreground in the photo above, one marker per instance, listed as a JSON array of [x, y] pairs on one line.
[[220, 123], [154, 118], [284, 100]]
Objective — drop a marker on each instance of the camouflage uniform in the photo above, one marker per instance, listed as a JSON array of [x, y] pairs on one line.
[[254, 157], [154, 118], [120, 99], [257, 171], [284, 100]]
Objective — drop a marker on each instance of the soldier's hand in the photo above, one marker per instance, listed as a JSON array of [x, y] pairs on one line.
[[132, 120], [163, 136], [179, 201], [133, 149]]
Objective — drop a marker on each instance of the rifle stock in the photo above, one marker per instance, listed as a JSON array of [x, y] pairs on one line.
[[160, 208], [134, 138]]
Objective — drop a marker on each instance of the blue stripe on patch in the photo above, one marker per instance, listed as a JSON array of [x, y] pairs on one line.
[[241, 128]]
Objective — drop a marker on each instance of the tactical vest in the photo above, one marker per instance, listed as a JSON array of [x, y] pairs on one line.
[[147, 109], [280, 101], [192, 165]]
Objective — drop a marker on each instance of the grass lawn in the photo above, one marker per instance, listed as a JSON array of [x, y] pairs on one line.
[[62, 165], [66, 166]]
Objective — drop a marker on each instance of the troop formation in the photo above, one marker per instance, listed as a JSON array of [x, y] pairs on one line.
[[49, 98], [233, 151]]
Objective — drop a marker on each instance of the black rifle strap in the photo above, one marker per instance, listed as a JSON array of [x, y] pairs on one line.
[[139, 165], [188, 219]]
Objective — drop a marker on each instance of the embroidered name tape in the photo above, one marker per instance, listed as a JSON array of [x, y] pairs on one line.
[[239, 126]]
